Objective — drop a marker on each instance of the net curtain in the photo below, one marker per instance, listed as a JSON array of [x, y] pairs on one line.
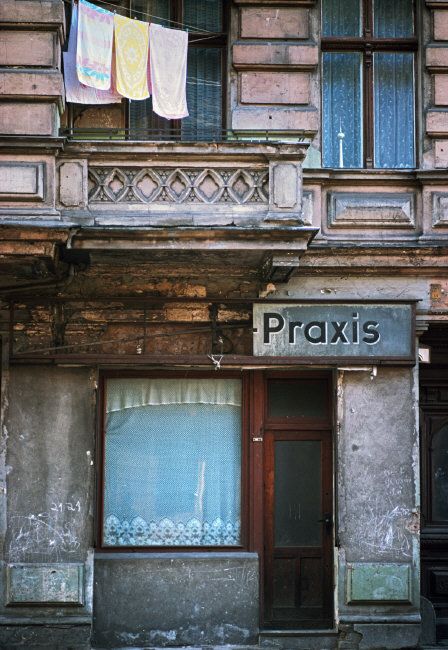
[[172, 462]]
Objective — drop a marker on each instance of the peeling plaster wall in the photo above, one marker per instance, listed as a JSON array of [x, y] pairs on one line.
[[175, 599], [50, 424], [378, 499]]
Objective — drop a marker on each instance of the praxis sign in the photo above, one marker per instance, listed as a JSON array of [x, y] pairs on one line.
[[325, 330]]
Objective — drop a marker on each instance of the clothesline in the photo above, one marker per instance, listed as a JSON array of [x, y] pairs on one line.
[[108, 58], [185, 26]]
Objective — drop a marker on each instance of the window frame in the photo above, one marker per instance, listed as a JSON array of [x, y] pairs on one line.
[[101, 447], [219, 40], [367, 45]]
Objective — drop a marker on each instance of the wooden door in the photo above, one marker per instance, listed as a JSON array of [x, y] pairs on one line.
[[298, 529], [434, 533], [298, 502]]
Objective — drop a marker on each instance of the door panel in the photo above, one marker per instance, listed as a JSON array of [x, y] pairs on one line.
[[298, 528], [434, 532]]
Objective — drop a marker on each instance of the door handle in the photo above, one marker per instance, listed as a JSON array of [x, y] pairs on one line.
[[327, 519]]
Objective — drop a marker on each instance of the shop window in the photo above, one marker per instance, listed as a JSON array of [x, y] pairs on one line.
[[172, 462], [205, 22], [368, 83]]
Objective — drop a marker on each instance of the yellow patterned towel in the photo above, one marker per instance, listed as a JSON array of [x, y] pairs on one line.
[[131, 52]]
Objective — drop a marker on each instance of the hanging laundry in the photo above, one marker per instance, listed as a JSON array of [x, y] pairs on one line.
[[131, 57], [94, 45], [168, 64], [75, 91]]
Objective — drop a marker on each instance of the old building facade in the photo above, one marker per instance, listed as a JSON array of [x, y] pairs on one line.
[[224, 387]]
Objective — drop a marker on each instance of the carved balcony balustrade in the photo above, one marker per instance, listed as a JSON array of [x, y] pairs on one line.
[[230, 196]]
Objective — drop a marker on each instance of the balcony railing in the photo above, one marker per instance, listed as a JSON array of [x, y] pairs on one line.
[[181, 135]]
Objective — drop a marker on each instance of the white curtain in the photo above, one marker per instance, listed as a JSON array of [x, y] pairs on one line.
[[172, 462]]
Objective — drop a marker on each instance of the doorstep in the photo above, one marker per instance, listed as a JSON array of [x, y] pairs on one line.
[[326, 639]]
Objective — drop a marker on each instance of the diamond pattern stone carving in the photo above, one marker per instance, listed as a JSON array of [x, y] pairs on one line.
[[147, 185], [240, 187], [116, 184], [208, 186], [186, 185]]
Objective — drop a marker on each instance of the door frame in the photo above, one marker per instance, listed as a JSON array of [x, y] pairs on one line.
[[259, 423]]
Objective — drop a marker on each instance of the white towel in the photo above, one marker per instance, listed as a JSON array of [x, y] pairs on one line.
[[94, 48], [168, 49], [75, 91]]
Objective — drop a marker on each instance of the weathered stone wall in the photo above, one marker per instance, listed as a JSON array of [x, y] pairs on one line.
[[378, 498], [47, 568], [435, 38], [30, 67], [176, 599], [274, 57]]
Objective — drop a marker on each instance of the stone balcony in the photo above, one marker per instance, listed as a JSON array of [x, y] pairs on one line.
[[240, 200], [239, 183]]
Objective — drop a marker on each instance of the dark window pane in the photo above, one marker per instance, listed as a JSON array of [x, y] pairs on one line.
[[394, 110], [297, 398], [145, 124], [155, 10], [393, 19], [342, 109], [439, 475], [297, 493], [341, 17], [204, 95], [203, 14]]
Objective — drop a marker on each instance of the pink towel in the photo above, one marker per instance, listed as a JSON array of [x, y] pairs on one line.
[[94, 48], [75, 91], [168, 63]]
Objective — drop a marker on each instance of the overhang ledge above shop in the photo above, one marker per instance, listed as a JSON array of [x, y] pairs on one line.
[[266, 238], [272, 250]]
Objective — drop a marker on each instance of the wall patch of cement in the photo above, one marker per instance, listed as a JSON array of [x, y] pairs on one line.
[[175, 599]]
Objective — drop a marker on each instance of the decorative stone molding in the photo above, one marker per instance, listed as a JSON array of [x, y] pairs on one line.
[[440, 209], [283, 56], [377, 210], [285, 190], [20, 181], [73, 184], [162, 185], [307, 208]]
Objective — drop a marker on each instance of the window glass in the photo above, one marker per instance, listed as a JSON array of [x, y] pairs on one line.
[[172, 462], [394, 109], [341, 17], [393, 19], [204, 95], [155, 9], [342, 109], [297, 493], [297, 398], [203, 14]]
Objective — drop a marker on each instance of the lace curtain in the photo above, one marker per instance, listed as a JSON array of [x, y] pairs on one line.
[[342, 82], [341, 18], [394, 109], [172, 462], [342, 108]]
